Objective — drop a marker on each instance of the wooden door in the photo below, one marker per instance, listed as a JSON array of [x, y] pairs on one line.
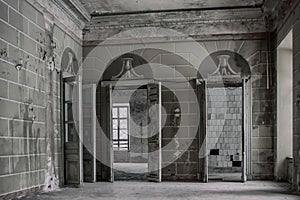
[[246, 127], [72, 150], [154, 132], [203, 157], [89, 132], [105, 140]]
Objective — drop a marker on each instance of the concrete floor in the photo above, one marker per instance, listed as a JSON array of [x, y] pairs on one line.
[[254, 190]]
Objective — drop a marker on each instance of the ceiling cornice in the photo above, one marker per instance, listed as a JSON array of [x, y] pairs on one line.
[[77, 5], [176, 18], [277, 12], [62, 15], [178, 10], [67, 11]]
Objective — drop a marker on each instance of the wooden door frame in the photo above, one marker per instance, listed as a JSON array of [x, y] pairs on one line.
[[159, 179]]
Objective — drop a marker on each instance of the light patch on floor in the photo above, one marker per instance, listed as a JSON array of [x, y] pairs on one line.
[[226, 176], [138, 168]]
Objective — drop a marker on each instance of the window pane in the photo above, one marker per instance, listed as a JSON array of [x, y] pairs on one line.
[[115, 112], [69, 91], [115, 124], [123, 134], [124, 146], [115, 134], [123, 123], [69, 112], [123, 112], [123, 143], [72, 133]]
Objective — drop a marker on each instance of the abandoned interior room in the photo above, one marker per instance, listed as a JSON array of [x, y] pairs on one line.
[[136, 99]]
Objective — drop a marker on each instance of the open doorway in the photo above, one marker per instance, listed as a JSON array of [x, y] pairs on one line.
[[130, 144], [284, 140], [131, 141]]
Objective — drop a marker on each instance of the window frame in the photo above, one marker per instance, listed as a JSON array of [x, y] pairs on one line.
[[118, 142]]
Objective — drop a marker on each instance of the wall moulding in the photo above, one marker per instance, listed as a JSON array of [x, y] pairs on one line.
[[198, 38]]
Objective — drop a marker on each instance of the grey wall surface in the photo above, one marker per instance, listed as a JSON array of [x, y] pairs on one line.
[[23, 157]]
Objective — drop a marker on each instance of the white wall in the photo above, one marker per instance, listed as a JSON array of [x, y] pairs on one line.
[[284, 106]]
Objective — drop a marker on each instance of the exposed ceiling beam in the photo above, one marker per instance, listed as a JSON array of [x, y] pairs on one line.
[[174, 10]]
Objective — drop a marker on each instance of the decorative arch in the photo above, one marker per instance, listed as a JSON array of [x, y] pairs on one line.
[[115, 67], [69, 63], [225, 62]]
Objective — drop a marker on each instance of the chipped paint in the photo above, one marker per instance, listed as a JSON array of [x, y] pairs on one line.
[[177, 153], [51, 177]]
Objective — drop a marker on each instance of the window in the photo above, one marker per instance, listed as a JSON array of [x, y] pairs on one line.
[[120, 127]]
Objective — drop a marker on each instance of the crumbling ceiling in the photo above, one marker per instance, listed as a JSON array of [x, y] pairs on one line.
[[101, 14], [99, 7]]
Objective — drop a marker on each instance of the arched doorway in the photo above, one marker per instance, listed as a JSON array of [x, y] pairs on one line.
[[227, 120], [127, 81]]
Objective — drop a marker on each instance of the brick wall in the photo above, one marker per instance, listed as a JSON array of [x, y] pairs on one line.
[[23, 96], [224, 129]]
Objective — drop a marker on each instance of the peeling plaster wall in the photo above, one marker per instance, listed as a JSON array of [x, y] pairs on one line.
[[23, 98]]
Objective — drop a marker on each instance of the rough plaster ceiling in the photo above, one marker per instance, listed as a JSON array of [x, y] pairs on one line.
[[119, 6]]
